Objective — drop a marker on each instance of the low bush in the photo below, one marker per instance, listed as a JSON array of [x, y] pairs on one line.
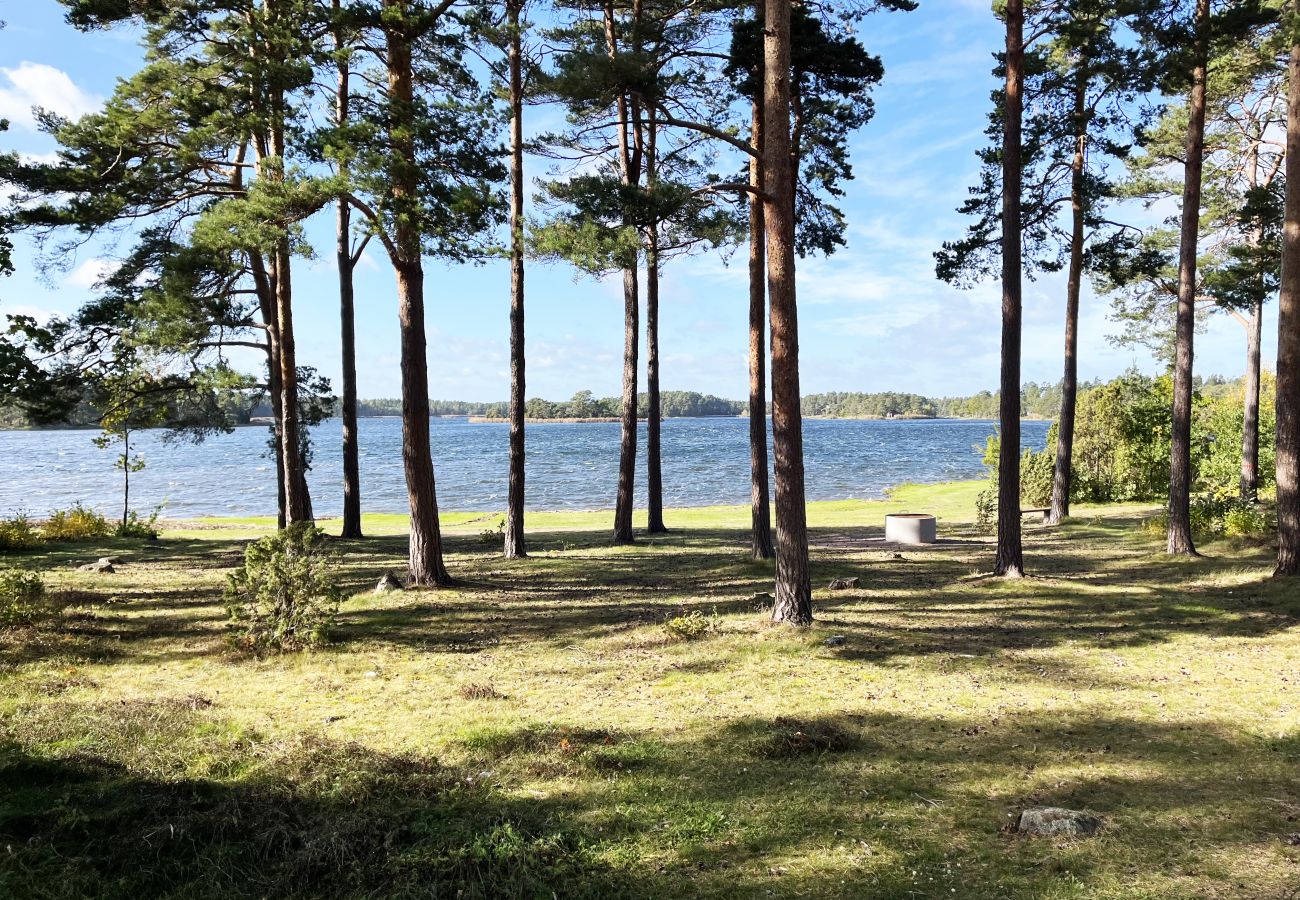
[[137, 527], [24, 599], [1215, 516], [690, 626], [18, 533], [1245, 520], [493, 536], [284, 596], [75, 524]]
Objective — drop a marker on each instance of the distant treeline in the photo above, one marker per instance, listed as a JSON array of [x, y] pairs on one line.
[[1037, 400], [1041, 401]]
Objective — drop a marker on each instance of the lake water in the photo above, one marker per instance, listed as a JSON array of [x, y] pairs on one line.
[[570, 466]]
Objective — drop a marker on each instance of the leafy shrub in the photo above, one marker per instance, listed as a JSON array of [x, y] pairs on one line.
[[18, 533], [284, 596], [1245, 520], [1215, 515], [1155, 526], [1037, 470], [493, 536], [75, 524], [1218, 515], [986, 509], [24, 599], [689, 626], [136, 527]]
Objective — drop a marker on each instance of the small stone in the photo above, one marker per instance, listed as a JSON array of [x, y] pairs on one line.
[[835, 640], [102, 567], [843, 584], [388, 583], [1292, 840], [111, 560], [371, 675], [1052, 821]]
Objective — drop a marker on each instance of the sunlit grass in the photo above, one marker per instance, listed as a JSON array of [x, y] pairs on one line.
[[536, 729]]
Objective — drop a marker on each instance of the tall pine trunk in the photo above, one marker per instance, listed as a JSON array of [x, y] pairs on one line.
[[627, 437], [760, 514], [347, 329], [630, 171], [1009, 561], [514, 547], [1180, 446], [654, 416], [266, 303], [126, 478], [1249, 487], [1288, 343], [277, 436], [793, 602], [297, 500], [654, 479], [1063, 474], [425, 563]]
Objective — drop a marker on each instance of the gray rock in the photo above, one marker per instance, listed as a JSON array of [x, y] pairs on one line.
[[1053, 821], [388, 583], [835, 640], [100, 567], [843, 584]]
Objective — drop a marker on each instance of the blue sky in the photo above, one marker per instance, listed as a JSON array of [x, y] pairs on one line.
[[872, 317]]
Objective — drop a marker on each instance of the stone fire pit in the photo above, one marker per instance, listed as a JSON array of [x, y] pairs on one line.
[[910, 528]]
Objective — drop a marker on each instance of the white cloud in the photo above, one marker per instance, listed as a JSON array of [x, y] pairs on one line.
[[90, 273], [38, 85]]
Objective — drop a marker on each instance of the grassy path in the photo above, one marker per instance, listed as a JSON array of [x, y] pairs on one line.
[[537, 731]]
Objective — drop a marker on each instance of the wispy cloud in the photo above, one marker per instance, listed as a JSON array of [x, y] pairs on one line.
[[36, 85]]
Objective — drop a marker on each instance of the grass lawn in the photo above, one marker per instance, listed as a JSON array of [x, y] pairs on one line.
[[536, 731]]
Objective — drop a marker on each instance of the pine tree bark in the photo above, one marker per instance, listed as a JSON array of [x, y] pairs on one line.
[[426, 566], [760, 514], [1180, 457], [514, 545], [1009, 561], [630, 171], [793, 600], [266, 302], [277, 435], [1063, 474], [654, 414], [126, 478], [297, 499], [1249, 487], [627, 437], [1288, 343], [347, 330]]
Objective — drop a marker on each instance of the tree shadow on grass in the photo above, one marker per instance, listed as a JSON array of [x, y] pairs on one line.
[[1099, 583], [163, 798]]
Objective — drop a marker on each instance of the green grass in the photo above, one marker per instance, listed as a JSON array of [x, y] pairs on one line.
[[536, 730]]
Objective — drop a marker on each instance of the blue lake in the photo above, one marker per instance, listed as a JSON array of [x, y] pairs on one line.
[[570, 466]]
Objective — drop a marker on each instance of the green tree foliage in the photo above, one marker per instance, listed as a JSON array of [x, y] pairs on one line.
[[831, 79]]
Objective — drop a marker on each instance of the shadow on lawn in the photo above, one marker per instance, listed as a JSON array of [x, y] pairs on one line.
[[922, 603], [865, 804]]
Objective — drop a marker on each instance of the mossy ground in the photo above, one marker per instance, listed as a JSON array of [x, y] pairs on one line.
[[536, 731]]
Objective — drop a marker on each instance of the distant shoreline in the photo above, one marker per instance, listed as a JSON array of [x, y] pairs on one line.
[[263, 421]]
